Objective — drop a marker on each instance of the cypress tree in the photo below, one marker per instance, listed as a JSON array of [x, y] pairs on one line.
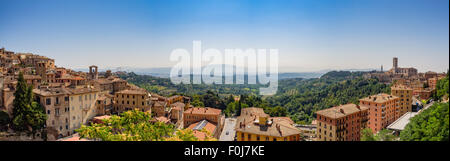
[[27, 114]]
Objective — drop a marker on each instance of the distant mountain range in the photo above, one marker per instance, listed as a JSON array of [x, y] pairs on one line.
[[164, 72]]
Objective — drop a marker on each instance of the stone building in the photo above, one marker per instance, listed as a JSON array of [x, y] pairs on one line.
[[67, 108], [130, 99]]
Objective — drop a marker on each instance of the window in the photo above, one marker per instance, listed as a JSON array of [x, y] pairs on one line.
[[48, 101], [48, 111], [66, 98]]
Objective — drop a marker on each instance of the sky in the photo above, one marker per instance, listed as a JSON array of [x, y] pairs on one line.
[[311, 35]]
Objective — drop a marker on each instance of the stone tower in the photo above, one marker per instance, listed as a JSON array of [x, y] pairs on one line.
[[395, 64], [93, 72]]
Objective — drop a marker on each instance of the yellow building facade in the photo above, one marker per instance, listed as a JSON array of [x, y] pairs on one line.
[[130, 99], [255, 125], [405, 98]]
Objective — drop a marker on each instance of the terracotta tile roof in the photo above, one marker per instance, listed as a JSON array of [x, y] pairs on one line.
[[204, 124], [203, 110], [163, 119], [400, 87], [254, 111], [340, 111], [102, 117], [83, 90], [177, 105], [379, 98], [51, 91], [248, 122], [160, 104], [74, 137], [133, 91], [173, 97], [103, 81]]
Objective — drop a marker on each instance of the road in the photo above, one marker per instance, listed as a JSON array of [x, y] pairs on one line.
[[228, 131], [426, 106]]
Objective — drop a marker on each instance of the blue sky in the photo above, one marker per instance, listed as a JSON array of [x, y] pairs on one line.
[[311, 35]]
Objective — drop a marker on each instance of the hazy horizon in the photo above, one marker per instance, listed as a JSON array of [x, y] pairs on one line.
[[310, 35]]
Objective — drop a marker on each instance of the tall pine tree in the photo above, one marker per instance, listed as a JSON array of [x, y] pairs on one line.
[[28, 116]]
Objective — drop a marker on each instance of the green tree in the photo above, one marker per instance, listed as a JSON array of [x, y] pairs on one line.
[[230, 99], [278, 111], [431, 124], [4, 120], [134, 125], [28, 115], [367, 135], [385, 135], [442, 88]]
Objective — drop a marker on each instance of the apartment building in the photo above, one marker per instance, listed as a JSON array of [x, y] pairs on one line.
[[255, 125], [405, 97], [130, 99], [341, 123], [57, 107], [383, 110]]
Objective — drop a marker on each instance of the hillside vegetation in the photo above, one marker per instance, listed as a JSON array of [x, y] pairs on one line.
[[296, 97]]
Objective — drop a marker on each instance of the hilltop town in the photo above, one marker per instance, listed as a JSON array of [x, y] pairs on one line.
[[410, 94], [74, 98]]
